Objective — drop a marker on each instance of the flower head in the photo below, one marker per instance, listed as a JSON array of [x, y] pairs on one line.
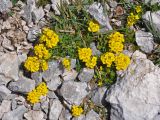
[[122, 61], [42, 89], [93, 26], [44, 65], [66, 63], [41, 51], [84, 54], [33, 96], [107, 58], [138, 9], [115, 47], [132, 19], [92, 62], [32, 64], [76, 110], [117, 37]]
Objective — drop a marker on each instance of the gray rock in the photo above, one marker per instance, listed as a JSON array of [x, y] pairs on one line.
[[145, 41], [47, 8], [73, 92], [16, 114], [26, 13], [22, 57], [99, 96], [73, 63], [5, 5], [113, 3], [37, 14], [4, 92], [45, 105], [37, 76], [81, 117], [9, 66], [14, 104], [34, 115], [69, 75], [54, 83], [54, 70], [135, 96], [52, 95], [5, 107], [33, 33], [65, 115], [152, 2], [37, 106], [86, 75], [96, 10], [92, 115], [23, 85], [7, 44], [152, 19], [6, 25], [95, 51], [55, 113]]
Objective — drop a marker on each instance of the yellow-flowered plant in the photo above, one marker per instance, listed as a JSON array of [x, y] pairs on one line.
[[34, 96], [84, 54], [117, 37], [92, 62], [116, 47], [138, 8], [49, 38], [108, 58], [41, 51], [66, 63], [44, 65], [93, 26], [122, 61], [132, 19], [76, 110], [32, 64]]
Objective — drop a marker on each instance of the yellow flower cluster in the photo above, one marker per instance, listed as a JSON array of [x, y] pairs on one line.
[[34, 95], [76, 110], [116, 42], [133, 18], [33, 64], [85, 54], [49, 38], [122, 61], [93, 26], [66, 63], [108, 58], [41, 51], [116, 46]]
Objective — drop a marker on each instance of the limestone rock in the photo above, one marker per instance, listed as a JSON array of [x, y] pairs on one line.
[[145, 41], [86, 75], [92, 115], [37, 14], [5, 5], [54, 83], [5, 107], [69, 75], [33, 33], [4, 92], [135, 95], [34, 115], [74, 92]]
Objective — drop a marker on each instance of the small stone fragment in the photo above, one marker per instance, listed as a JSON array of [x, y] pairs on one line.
[[86, 75], [92, 115], [37, 14], [54, 83], [69, 75], [34, 115], [4, 107]]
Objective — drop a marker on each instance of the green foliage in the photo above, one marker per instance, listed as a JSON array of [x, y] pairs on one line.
[[14, 2], [42, 2]]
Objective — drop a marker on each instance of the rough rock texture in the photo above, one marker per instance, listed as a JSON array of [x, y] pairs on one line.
[[152, 1], [135, 96], [73, 92], [33, 33], [5, 5], [4, 92], [34, 115], [23, 85], [9, 66], [96, 10], [55, 110], [69, 75], [145, 41], [92, 115], [152, 19], [37, 14], [99, 96], [86, 75], [16, 114], [95, 51], [5, 107], [54, 83]]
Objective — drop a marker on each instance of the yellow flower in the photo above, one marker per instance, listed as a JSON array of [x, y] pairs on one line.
[[33, 96], [107, 58], [122, 61], [117, 37], [100, 83], [132, 19], [43, 38], [44, 65], [32, 64], [138, 9], [42, 89], [115, 47], [41, 51], [84, 54], [93, 26], [76, 110], [66, 63], [92, 62], [101, 68]]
